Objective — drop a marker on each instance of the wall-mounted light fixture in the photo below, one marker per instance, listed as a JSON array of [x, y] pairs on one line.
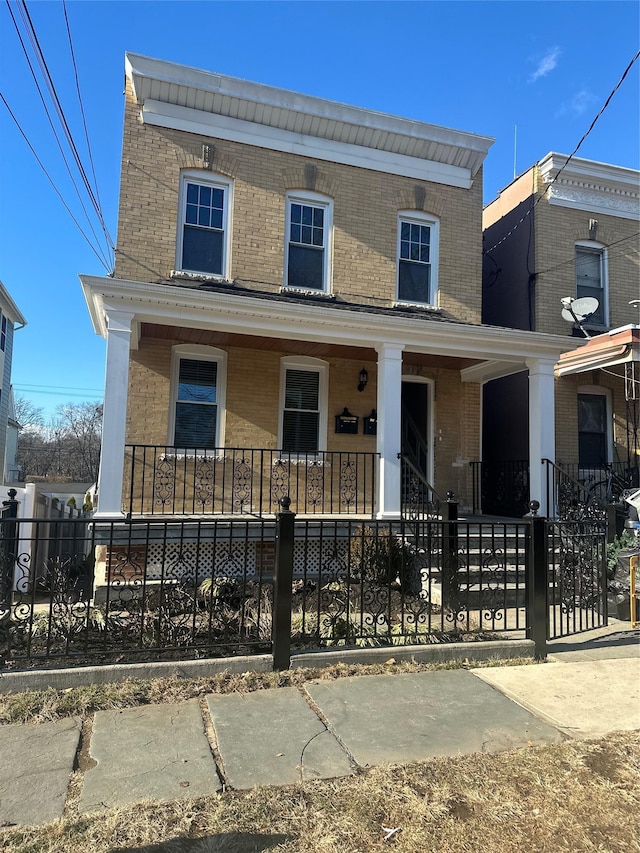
[[364, 378]]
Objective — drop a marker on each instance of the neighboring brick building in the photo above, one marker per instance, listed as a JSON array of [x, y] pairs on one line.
[[565, 228], [282, 259]]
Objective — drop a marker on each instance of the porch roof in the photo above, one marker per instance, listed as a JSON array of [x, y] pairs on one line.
[[484, 351], [618, 346]]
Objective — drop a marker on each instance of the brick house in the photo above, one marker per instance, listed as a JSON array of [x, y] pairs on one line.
[[296, 306], [566, 228]]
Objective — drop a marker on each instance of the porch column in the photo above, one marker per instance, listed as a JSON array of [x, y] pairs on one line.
[[114, 414], [542, 429], [389, 439]]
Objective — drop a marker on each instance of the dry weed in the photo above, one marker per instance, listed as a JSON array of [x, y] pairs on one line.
[[571, 797]]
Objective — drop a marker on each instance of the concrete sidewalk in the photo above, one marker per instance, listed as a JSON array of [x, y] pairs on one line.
[[589, 687]]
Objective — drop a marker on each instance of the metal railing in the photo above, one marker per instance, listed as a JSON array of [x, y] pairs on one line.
[[161, 480], [500, 488], [608, 482], [418, 498], [568, 498]]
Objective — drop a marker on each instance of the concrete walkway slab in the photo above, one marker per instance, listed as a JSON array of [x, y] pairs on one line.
[[157, 752], [584, 699], [615, 640], [37, 762], [413, 717], [272, 737]]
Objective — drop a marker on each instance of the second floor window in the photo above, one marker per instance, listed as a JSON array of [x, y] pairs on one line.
[[204, 227], [307, 264], [591, 280], [3, 332], [417, 259]]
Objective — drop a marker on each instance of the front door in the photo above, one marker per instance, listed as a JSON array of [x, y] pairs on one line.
[[416, 421]]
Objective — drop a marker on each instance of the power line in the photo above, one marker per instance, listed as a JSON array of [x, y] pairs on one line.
[[603, 246], [50, 179], [95, 245], [573, 153], [61, 116]]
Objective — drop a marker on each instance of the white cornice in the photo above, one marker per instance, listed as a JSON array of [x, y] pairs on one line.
[[220, 96], [251, 315], [9, 307], [591, 186], [221, 127]]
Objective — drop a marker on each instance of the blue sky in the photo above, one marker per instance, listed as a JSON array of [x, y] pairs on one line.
[[485, 67]]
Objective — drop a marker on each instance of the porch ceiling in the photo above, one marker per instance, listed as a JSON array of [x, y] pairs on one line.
[[210, 337]]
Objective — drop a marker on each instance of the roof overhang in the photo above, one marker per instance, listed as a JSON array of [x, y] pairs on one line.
[[9, 307], [502, 351], [217, 105], [619, 346]]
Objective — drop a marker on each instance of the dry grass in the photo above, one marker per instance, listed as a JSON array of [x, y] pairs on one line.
[[574, 797], [37, 706]]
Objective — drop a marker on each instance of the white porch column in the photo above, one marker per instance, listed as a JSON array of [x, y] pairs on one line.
[[114, 415], [542, 428], [389, 439]]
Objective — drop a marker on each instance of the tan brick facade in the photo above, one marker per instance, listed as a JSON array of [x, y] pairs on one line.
[[365, 216]]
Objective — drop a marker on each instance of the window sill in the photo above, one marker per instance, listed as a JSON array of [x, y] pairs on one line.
[[179, 275], [422, 306], [300, 291]]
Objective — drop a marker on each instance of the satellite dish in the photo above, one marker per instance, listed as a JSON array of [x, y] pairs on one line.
[[579, 310]]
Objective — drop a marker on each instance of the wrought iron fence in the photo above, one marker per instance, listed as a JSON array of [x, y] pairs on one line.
[[104, 591], [418, 497], [569, 498], [162, 480], [605, 483], [577, 576], [405, 583], [89, 592]]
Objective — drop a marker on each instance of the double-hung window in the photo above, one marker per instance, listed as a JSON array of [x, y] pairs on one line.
[[204, 238], [304, 406], [591, 279], [198, 397], [417, 258], [308, 242]]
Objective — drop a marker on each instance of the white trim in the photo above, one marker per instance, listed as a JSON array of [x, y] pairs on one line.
[[198, 352], [313, 199], [300, 362], [606, 393], [600, 249], [190, 120], [418, 217], [205, 178], [245, 314]]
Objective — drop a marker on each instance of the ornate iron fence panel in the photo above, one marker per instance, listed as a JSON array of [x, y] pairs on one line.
[[577, 576], [412, 582], [95, 592]]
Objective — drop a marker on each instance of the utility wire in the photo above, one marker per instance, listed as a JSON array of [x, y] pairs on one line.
[[604, 246], [50, 179], [101, 257], [63, 121], [84, 120], [573, 153]]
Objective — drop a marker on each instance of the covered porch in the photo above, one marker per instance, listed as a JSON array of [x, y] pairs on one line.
[[396, 409]]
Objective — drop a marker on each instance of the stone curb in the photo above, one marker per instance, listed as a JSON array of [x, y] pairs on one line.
[[61, 679]]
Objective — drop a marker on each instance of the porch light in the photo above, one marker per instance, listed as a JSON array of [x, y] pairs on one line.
[[364, 378]]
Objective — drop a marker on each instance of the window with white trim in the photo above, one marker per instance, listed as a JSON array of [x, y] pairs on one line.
[[591, 279], [198, 386], [308, 242], [417, 277], [303, 422], [3, 332], [594, 427], [204, 244]]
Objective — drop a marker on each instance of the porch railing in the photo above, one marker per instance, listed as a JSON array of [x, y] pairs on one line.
[[570, 498], [418, 497], [605, 482], [162, 480]]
